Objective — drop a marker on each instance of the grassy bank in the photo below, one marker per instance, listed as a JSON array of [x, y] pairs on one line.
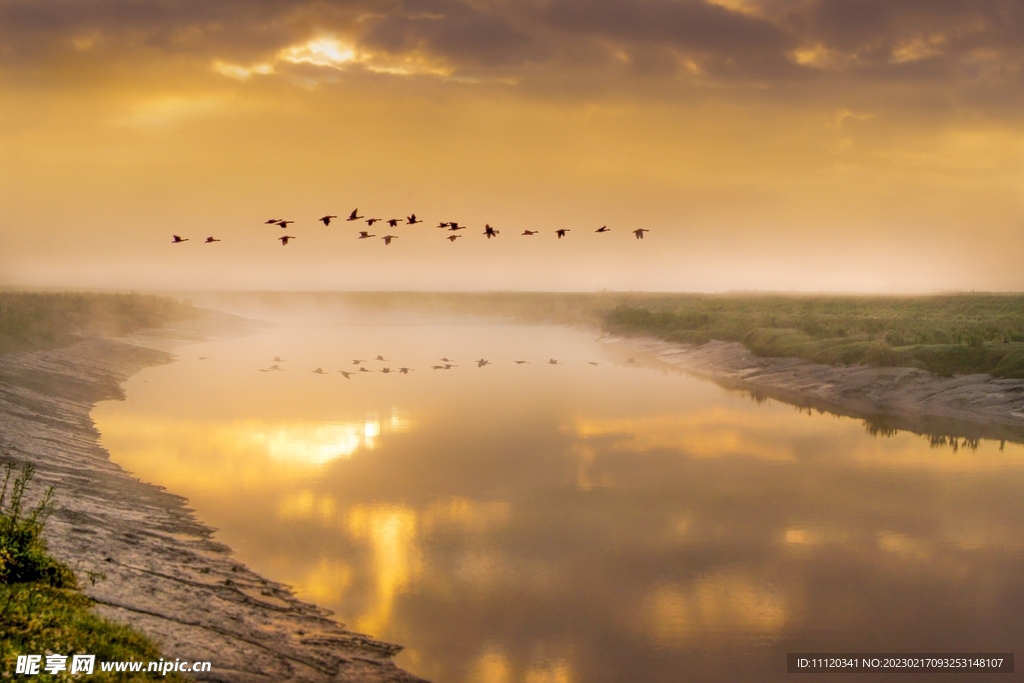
[[31, 320], [41, 609], [955, 334]]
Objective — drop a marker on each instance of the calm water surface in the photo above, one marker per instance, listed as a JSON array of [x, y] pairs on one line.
[[562, 524]]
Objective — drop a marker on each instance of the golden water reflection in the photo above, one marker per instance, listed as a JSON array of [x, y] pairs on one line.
[[521, 526]]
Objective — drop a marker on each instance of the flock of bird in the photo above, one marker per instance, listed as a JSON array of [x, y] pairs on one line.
[[446, 364], [449, 226]]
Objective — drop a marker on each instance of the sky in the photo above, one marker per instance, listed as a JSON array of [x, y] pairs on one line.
[[803, 145]]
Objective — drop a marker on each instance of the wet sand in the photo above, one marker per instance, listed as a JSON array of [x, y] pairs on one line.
[[963, 406], [155, 566]]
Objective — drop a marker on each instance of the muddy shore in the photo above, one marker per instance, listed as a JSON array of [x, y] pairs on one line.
[[959, 407], [155, 566]]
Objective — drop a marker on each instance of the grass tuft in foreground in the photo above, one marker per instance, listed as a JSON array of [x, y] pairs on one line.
[[41, 610]]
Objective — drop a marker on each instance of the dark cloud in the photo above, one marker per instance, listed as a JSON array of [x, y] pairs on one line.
[[946, 42]]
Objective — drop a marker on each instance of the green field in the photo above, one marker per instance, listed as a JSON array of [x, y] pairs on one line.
[[30, 320], [947, 334]]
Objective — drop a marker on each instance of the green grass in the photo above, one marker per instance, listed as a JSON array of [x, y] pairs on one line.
[[947, 335], [30, 320], [41, 609]]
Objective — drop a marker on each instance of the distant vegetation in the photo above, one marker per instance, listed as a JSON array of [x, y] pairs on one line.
[[47, 320], [41, 609], [954, 334]]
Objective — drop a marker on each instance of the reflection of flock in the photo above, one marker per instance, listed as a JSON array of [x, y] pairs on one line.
[[449, 226], [447, 364]]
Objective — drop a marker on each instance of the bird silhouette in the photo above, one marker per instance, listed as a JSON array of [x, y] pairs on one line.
[[520, 362], [371, 221], [365, 235], [272, 368], [438, 367], [405, 371], [482, 362], [443, 225], [278, 360], [553, 362], [354, 216], [345, 374], [357, 362], [178, 239], [211, 239], [364, 369], [411, 220], [319, 371], [387, 239], [490, 232], [529, 232], [446, 360], [284, 239], [380, 357], [385, 370], [284, 224], [561, 232], [639, 232], [455, 226], [594, 363], [631, 360], [449, 366], [393, 222], [603, 228], [452, 238], [326, 220], [272, 221]]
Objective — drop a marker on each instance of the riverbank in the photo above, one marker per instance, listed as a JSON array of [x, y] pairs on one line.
[[156, 567], [971, 406]]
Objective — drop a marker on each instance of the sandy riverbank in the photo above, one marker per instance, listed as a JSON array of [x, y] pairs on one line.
[[965, 406], [161, 571]]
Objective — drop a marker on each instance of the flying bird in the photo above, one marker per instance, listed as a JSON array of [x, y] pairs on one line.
[[272, 368], [443, 225], [371, 221], [438, 367], [520, 362], [455, 226], [393, 222], [529, 232], [387, 239], [594, 363], [446, 360], [489, 231], [211, 239], [631, 360], [553, 362], [603, 228], [272, 221], [357, 362], [449, 366], [354, 216], [278, 360], [561, 232], [380, 357], [326, 220], [452, 238], [482, 362], [405, 371], [364, 369], [639, 232], [365, 235], [385, 370], [345, 374], [284, 239], [411, 220], [319, 371], [284, 224], [178, 239]]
